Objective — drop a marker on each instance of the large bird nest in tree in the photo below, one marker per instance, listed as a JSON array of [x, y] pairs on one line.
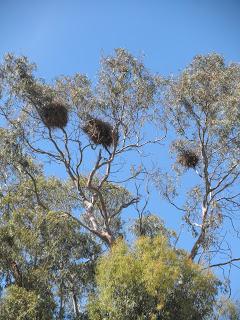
[[54, 115], [100, 132], [188, 159]]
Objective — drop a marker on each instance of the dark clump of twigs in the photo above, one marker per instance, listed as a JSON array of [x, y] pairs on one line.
[[188, 159], [8, 240], [54, 115], [100, 132]]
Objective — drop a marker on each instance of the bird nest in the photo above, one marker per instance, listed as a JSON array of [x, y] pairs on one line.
[[54, 115], [100, 132], [188, 159]]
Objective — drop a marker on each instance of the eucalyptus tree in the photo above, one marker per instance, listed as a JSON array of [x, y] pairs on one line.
[[87, 133], [46, 260], [151, 281], [203, 106], [88, 130]]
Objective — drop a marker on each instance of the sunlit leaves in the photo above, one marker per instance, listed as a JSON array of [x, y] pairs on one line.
[[151, 281]]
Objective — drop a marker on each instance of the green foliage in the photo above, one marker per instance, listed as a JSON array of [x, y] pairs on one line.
[[151, 225], [20, 304], [124, 96], [151, 281], [227, 309], [207, 87], [47, 263], [44, 251], [202, 106]]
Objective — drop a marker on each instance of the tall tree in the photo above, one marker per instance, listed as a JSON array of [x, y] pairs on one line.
[[88, 133], [87, 130], [202, 105]]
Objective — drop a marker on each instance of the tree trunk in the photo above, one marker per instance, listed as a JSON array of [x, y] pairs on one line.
[[75, 305]]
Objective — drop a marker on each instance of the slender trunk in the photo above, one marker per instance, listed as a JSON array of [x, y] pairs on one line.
[[197, 244], [61, 308], [201, 236], [75, 305], [106, 236]]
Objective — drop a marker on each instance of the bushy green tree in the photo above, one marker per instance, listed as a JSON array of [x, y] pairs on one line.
[[44, 255], [151, 281], [21, 304]]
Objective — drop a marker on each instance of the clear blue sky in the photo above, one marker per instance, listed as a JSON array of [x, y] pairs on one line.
[[64, 36], [68, 36]]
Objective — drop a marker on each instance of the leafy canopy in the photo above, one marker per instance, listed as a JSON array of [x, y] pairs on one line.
[[151, 281]]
